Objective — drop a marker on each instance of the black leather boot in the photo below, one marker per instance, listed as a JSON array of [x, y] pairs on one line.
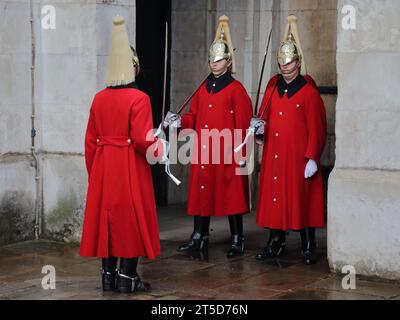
[[199, 238], [275, 246], [108, 273], [128, 280], [308, 246], [237, 240]]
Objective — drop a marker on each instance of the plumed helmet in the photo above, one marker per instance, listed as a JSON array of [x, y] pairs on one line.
[[290, 48], [222, 47]]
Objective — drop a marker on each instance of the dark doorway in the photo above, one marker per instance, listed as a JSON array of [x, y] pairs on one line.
[[151, 16]]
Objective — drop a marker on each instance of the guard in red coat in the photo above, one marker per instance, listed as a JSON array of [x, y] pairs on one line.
[[216, 189], [120, 217], [291, 190]]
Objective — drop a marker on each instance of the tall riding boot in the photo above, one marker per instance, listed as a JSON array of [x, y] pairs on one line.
[[275, 246], [237, 240], [308, 245], [189, 245], [108, 272], [199, 237], [128, 280]]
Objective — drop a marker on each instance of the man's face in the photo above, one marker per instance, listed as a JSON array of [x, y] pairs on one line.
[[219, 67], [291, 70]]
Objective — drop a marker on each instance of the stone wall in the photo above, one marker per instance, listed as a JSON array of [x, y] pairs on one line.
[[17, 175], [69, 69], [364, 188]]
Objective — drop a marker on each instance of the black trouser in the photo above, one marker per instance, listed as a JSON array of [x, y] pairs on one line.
[[127, 266], [307, 239], [201, 227], [109, 264], [236, 224]]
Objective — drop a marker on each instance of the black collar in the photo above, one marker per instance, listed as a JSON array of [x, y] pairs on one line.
[[132, 85], [291, 88], [214, 85]]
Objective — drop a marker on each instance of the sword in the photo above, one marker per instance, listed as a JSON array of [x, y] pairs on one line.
[[192, 95], [160, 130], [262, 72], [165, 72], [269, 100], [252, 129]]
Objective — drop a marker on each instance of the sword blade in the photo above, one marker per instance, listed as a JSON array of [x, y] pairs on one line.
[[165, 73], [190, 98], [262, 72]]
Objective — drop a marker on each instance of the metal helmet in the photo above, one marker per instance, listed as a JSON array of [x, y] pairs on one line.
[[288, 52], [290, 48], [135, 61], [219, 50], [222, 47]]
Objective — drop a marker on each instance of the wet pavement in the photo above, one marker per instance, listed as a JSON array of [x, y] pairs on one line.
[[176, 277]]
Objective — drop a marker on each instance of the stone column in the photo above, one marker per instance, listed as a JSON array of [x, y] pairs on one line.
[[364, 188]]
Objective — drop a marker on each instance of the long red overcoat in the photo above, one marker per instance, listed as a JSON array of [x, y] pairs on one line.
[[295, 132], [120, 217], [216, 189]]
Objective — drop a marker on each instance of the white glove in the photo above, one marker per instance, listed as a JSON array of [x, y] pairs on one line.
[[257, 125], [311, 169], [172, 119]]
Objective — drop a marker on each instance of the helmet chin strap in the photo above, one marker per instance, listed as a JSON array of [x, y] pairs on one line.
[[296, 66], [289, 74]]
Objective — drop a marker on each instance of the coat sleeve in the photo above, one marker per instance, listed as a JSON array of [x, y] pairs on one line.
[[316, 124], [141, 126], [243, 112], [189, 118], [90, 140]]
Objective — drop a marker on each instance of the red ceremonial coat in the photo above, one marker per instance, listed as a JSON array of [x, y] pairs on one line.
[[216, 189], [120, 216], [295, 132]]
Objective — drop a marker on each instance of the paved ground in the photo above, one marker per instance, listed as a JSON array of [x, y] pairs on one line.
[[178, 277]]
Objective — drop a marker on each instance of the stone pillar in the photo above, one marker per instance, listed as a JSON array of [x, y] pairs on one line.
[[364, 188]]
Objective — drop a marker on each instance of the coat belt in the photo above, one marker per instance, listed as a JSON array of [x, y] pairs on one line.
[[119, 141]]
